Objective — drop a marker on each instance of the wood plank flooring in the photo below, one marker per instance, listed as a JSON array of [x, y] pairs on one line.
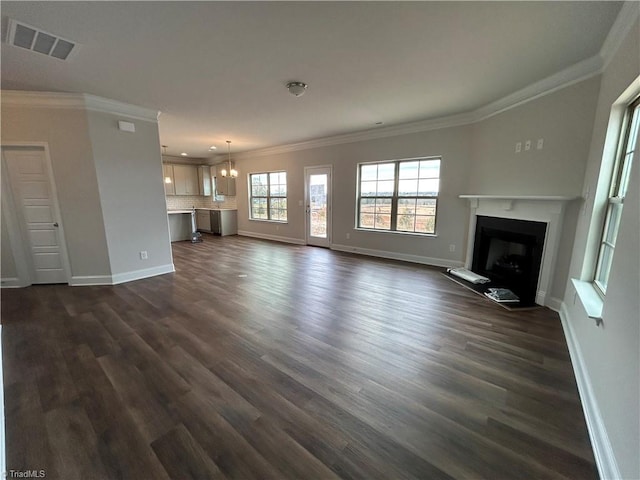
[[272, 361]]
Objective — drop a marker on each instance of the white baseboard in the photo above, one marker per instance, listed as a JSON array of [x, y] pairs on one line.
[[3, 458], [11, 282], [140, 274], [275, 238], [602, 449], [554, 304], [405, 257], [90, 280]]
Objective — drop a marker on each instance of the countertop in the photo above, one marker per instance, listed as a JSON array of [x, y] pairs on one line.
[[216, 209], [172, 212]]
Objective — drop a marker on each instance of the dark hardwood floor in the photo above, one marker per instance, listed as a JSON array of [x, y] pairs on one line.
[[264, 360]]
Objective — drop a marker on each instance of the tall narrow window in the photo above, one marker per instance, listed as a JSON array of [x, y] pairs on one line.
[[617, 192], [399, 196], [268, 196]]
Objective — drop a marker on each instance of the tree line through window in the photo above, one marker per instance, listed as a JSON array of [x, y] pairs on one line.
[[400, 195], [269, 196]]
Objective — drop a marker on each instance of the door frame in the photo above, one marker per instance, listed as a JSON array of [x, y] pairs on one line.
[[329, 204], [21, 256]]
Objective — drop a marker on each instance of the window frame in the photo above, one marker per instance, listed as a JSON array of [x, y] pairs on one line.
[[396, 197], [268, 197], [615, 198]]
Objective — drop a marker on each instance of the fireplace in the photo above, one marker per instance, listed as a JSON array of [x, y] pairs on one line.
[[534, 209], [509, 252]]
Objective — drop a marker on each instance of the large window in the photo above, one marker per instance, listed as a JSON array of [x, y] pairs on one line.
[[268, 196], [617, 192], [400, 195]]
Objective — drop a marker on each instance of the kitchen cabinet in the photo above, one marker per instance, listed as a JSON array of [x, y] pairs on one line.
[[203, 220], [204, 180], [186, 180], [169, 182], [224, 222], [224, 185]]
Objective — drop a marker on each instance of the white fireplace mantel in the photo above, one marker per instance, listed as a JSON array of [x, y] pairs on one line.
[[538, 208], [508, 201]]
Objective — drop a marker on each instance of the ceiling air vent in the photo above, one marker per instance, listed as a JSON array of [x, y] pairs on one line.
[[31, 38]]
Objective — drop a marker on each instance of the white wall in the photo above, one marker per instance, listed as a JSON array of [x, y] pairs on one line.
[[610, 354], [453, 144], [66, 132], [564, 120], [478, 158], [7, 263], [130, 181], [109, 185]]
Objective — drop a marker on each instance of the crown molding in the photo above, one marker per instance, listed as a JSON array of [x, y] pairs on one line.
[[106, 105], [628, 15], [578, 72], [590, 67], [76, 101], [383, 132], [20, 98]]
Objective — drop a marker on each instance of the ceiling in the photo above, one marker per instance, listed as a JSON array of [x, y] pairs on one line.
[[218, 70]]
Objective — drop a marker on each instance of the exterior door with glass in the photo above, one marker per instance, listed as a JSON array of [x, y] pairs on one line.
[[318, 206]]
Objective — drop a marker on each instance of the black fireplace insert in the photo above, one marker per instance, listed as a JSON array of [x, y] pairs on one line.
[[509, 252]]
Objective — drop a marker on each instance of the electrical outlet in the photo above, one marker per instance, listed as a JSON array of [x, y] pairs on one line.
[[540, 143], [452, 248], [527, 145], [518, 147], [144, 255]]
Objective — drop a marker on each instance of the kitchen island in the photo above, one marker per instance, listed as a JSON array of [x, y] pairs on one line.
[[180, 224]]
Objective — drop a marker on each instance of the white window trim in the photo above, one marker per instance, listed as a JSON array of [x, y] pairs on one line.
[[585, 288], [250, 195], [394, 198]]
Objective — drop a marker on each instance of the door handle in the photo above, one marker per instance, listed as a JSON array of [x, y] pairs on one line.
[[56, 224]]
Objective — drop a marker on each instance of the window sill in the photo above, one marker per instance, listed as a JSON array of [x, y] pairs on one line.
[[395, 232], [267, 220], [591, 300]]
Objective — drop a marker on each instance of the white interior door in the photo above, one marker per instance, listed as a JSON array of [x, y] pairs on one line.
[[318, 205], [37, 214]]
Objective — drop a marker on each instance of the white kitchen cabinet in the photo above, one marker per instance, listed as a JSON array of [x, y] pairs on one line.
[[186, 180], [224, 185], [169, 181], [203, 220], [204, 180]]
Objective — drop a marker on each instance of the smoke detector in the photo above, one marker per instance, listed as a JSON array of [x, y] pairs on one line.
[[37, 40]]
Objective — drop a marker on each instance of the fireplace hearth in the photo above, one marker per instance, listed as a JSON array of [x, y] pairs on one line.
[[509, 252]]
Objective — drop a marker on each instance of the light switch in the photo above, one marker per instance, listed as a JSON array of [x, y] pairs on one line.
[[518, 147], [527, 145], [540, 143]]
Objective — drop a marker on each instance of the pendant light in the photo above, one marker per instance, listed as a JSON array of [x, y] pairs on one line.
[[232, 172]]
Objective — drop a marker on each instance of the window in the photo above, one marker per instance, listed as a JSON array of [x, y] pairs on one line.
[[268, 196], [399, 196], [617, 192]]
